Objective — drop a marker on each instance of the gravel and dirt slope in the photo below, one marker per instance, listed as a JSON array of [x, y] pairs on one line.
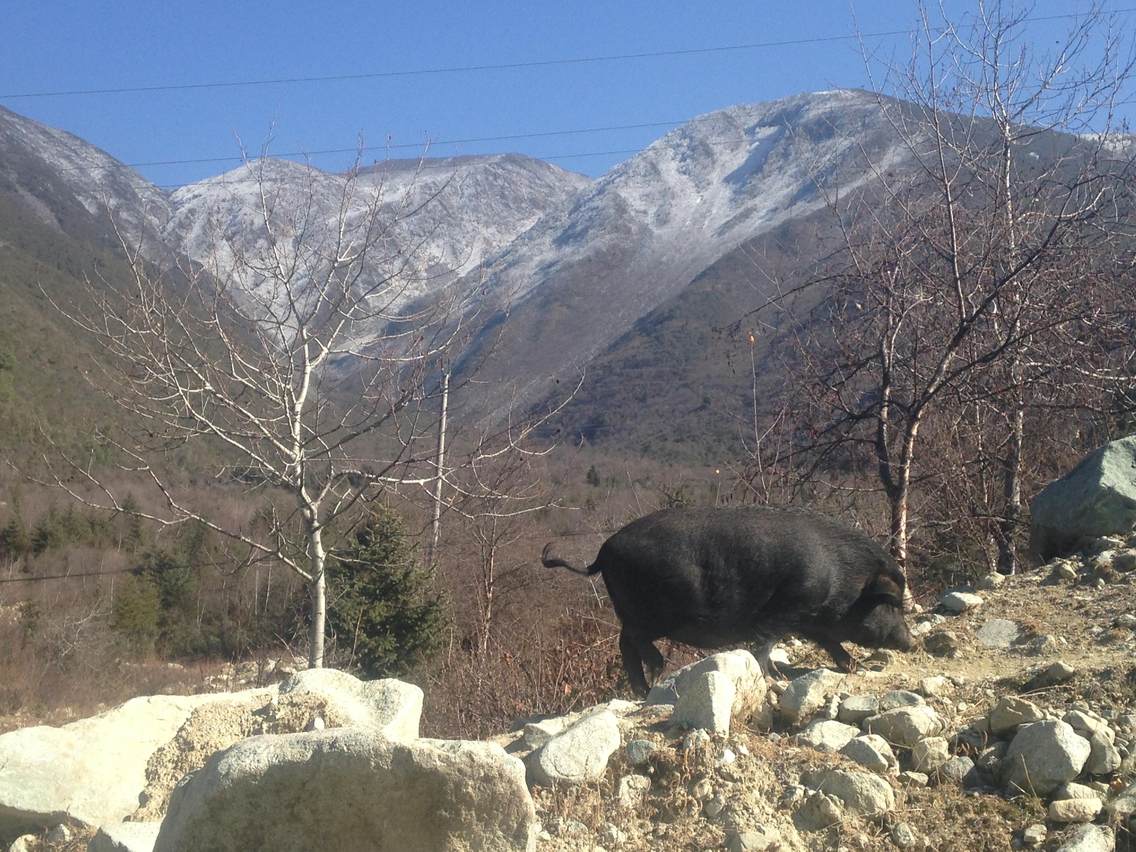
[[1011, 726], [755, 789]]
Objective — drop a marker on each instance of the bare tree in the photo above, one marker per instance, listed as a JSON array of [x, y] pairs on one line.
[[977, 265], [1058, 224], [305, 358], [494, 523]]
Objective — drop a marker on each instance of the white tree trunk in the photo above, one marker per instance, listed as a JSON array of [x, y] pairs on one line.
[[317, 590], [440, 465]]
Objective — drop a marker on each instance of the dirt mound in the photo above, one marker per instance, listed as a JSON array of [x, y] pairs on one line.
[[213, 727]]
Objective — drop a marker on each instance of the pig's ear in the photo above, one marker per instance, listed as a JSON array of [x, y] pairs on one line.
[[887, 588]]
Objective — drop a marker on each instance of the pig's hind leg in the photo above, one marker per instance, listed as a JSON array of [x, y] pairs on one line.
[[653, 659], [636, 650], [632, 663], [764, 661]]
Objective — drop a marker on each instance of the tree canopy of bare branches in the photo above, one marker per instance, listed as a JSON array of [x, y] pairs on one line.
[[988, 271], [309, 363]]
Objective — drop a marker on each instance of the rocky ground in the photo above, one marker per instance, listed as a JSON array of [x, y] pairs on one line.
[[957, 767], [1012, 726]]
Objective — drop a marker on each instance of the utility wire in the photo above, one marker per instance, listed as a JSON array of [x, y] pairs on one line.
[[424, 166], [430, 163], [44, 577], [450, 69], [540, 134], [503, 66]]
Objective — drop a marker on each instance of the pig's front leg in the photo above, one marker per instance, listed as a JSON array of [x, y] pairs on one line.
[[845, 661]]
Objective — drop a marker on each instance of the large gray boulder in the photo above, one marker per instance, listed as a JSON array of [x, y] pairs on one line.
[[739, 666], [905, 726], [871, 751], [1043, 756], [392, 707], [1096, 498], [806, 694], [92, 770], [125, 837], [1011, 712], [1085, 838], [707, 703], [827, 735], [579, 754], [861, 792], [352, 789]]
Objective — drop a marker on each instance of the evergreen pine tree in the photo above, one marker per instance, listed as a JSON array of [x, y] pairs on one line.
[[137, 612], [133, 537], [14, 540], [385, 616]]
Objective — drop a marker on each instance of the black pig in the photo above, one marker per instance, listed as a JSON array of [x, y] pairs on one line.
[[715, 577]]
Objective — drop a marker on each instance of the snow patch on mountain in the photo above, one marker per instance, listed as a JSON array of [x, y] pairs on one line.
[[1115, 144], [701, 190]]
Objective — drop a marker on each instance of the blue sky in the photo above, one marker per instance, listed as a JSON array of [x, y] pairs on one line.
[[52, 46]]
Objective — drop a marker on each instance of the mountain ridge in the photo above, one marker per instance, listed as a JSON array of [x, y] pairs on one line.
[[562, 274], [654, 223]]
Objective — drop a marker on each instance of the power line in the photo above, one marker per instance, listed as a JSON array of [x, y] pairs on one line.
[[539, 134], [501, 66], [441, 165], [44, 577], [449, 69], [443, 162], [432, 163]]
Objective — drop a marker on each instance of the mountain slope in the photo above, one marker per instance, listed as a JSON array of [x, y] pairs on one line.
[[70, 185], [584, 275], [43, 361], [679, 384]]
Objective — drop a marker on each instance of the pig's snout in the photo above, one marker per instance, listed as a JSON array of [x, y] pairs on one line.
[[901, 639], [885, 627]]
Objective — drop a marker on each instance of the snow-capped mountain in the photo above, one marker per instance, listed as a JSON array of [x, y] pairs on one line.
[[631, 277], [452, 212], [70, 184], [445, 215], [473, 206], [586, 273], [562, 266]]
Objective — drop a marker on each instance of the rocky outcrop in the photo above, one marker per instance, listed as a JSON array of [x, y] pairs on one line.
[[90, 771], [388, 706], [220, 724], [352, 789], [95, 771], [1096, 498]]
